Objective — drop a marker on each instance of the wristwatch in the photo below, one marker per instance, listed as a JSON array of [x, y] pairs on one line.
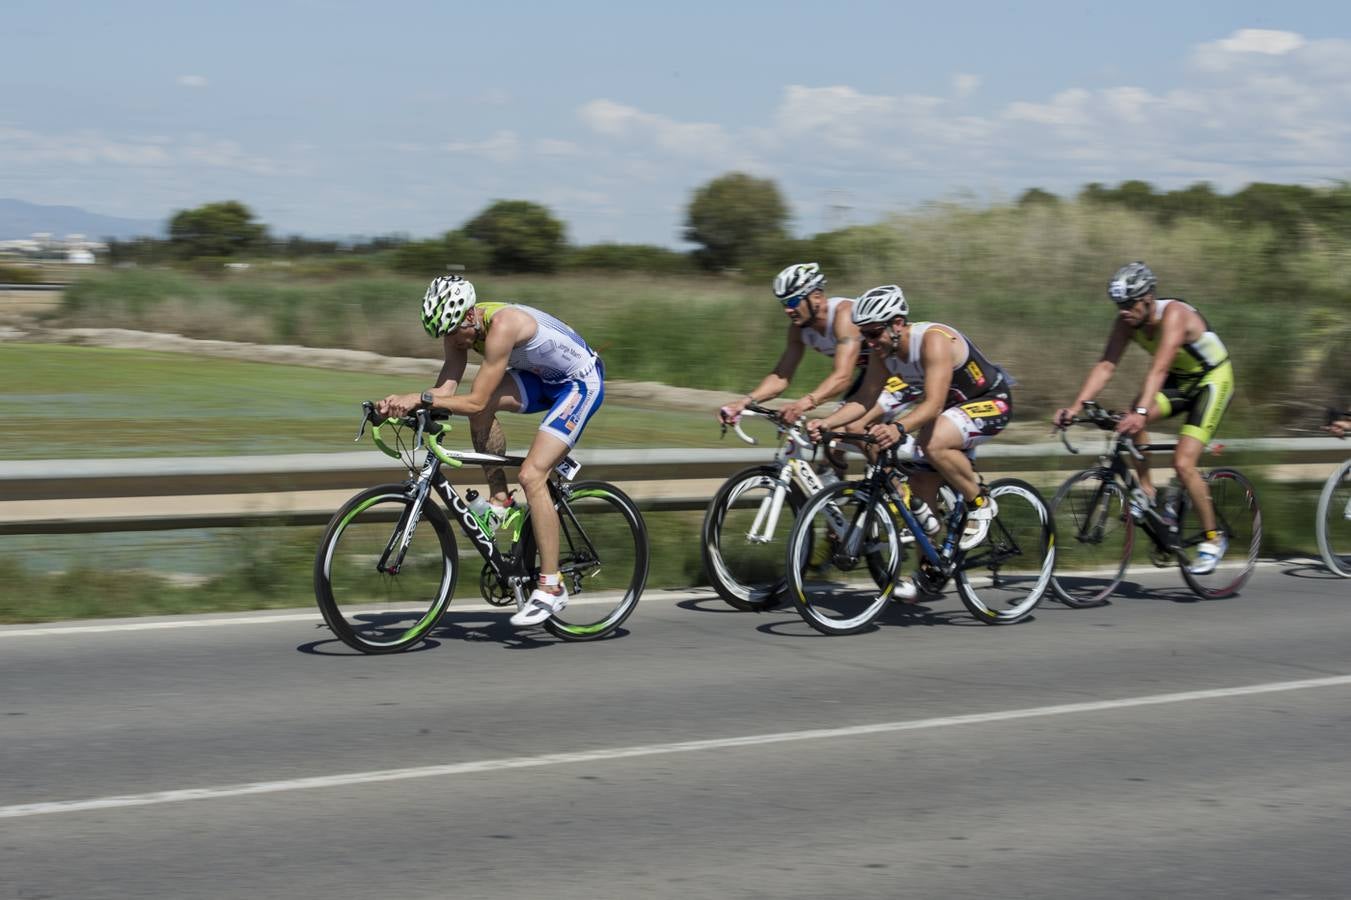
[[1139, 410], [427, 398]]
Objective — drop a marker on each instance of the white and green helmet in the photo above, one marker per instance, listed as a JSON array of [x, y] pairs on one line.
[[447, 299], [799, 279], [880, 305]]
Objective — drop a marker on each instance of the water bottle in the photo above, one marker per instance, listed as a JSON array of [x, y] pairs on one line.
[[482, 510], [828, 477], [927, 520]]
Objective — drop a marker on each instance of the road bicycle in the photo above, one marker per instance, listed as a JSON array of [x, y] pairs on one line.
[[382, 582], [746, 525], [1098, 510], [847, 549], [1333, 525]]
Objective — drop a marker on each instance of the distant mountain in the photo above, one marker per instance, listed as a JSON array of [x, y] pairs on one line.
[[20, 220]]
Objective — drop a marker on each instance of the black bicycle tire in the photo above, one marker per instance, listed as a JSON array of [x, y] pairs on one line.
[[323, 589], [711, 542], [1333, 560], [642, 556], [1103, 596], [1185, 504], [802, 528], [967, 593]]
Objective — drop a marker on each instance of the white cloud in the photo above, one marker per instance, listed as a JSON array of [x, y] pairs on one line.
[[192, 81], [1260, 40], [695, 140], [964, 84], [1240, 47], [501, 147], [556, 147]]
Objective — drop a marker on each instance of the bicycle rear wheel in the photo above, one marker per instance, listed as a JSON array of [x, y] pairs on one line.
[[1096, 536], [844, 558], [745, 568], [1238, 515], [378, 611], [1002, 579], [1334, 521], [603, 557]]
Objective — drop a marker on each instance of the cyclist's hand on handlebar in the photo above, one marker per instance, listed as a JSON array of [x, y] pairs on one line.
[[1064, 417], [396, 405], [729, 414], [887, 435], [795, 410], [815, 428], [1130, 424]]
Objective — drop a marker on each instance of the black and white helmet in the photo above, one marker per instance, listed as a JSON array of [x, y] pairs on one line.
[[880, 305], [1131, 282], [447, 299], [798, 280]]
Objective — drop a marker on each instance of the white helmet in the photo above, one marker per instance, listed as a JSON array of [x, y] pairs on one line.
[[447, 299], [1131, 282], [798, 280], [880, 305]]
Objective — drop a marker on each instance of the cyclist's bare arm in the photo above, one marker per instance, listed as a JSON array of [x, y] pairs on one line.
[[508, 329], [1101, 373], [773, 384], [935, 355], [873, 379], [1173, 328], [848, 344]]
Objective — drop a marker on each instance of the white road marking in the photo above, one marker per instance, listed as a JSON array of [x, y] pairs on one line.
[[559, 759], [88, 626]]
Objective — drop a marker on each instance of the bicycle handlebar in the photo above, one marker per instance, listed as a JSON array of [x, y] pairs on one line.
[[1104, 419], [433, 424], [754, 409]]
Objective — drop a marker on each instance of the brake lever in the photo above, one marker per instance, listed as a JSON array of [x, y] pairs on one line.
[[367, 410]]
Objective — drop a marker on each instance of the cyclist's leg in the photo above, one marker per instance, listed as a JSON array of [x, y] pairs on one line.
[[959, 429], [1205, 407], [486, 431], [573, 405]]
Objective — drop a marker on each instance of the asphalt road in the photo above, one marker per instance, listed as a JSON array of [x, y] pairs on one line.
[[1154, 747]]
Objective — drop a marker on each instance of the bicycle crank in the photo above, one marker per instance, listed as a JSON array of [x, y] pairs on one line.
[[493, 589]]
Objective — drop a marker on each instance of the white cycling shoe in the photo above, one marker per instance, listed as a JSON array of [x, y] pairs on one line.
[[1208, 555], [539, 607], [978, 524]]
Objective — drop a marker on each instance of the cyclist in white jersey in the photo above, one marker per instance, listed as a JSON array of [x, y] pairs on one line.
[[929, 380], [818, 322], [532, 361]]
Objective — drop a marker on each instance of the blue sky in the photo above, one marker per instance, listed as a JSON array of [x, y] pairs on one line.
[[345, 118]]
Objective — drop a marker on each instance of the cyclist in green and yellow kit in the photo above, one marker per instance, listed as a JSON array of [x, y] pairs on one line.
[[1191, 375]]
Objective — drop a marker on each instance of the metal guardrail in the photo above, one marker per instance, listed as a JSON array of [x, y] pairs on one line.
[[78, 496]]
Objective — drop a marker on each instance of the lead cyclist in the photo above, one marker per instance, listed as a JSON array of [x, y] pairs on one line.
[[531, 362]]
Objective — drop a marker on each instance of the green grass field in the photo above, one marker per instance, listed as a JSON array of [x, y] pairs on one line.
[[124, 403]]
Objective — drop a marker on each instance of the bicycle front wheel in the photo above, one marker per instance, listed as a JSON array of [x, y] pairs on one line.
[[844, 558], [1002, 579], [603, 557], [745, 537], [1096, 536], [1238, 515], [377, 594], [1334, 521]]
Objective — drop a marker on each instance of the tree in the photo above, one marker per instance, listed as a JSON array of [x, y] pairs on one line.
[[519, 236], [733, 217], [1037, 197], [216, 229]]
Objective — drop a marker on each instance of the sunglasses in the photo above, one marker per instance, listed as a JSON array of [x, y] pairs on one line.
[[794, 301], [872, 334]]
